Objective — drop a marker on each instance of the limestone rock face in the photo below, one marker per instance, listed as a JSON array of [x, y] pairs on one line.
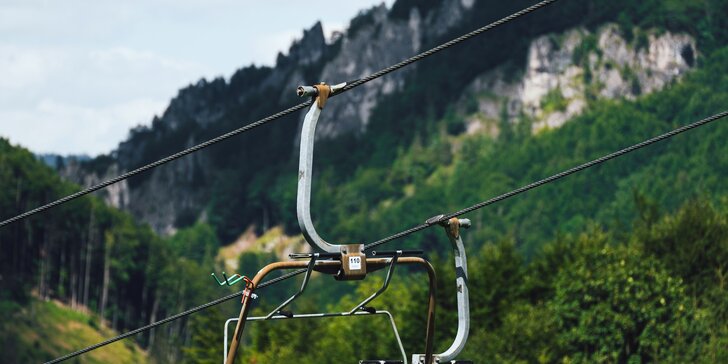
[[563, 71], [381, 42], [116, 195]]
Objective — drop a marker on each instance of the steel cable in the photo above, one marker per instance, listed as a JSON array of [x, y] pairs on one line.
[[440, 218]]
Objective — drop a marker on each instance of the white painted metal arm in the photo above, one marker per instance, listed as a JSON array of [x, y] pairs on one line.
[[305, 169], [461, 280], [452, 228]]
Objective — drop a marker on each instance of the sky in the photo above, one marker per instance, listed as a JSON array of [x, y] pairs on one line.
[[76, 75]]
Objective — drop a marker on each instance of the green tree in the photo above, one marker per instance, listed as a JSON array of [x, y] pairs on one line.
[[616, 304]]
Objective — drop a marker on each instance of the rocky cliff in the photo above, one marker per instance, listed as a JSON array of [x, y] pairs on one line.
[[562, 72]]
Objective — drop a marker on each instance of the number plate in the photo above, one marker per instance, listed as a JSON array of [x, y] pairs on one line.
[[355, 263]]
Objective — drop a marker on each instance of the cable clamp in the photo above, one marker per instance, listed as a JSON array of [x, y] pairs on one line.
[[435, 219]]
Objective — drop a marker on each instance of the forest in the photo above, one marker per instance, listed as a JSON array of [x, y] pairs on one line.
[[622, 263]]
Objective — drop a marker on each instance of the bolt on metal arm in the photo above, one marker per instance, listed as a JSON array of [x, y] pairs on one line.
[[305, 164]]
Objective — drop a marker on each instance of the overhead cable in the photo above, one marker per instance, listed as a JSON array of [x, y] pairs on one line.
[[436, 220], [171, 318]]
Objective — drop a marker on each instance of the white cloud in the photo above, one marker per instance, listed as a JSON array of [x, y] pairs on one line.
[[53, 126], [126, 57], [83, 101], [22, 67]]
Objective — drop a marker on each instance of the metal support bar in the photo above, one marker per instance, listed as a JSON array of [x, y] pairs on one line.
[[249, 288], [389, 253], [331, 267], [392, 264], [321, 315], [306, 277]]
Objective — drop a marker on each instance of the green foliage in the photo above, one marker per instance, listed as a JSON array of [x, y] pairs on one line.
[[693, 244], [615, 304], [86, 254], [197, 242], [25, 338], [553, 101], [206, 336], [587, 46]]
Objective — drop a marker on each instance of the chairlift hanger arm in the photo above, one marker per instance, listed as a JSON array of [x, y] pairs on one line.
[[452, 229], [321, 93]]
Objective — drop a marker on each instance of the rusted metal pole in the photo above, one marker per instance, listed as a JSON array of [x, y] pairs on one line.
[[331, 267]]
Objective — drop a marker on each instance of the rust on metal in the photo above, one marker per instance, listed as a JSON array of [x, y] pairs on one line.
[[453, 227], [353, 263], [324, 91]]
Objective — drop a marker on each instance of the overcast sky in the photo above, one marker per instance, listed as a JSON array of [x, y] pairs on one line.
[[76, 75]]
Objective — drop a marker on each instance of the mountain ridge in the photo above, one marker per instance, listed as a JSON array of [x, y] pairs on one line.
[[187, 190]]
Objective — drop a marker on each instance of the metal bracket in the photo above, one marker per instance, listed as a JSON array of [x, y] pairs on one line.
[[306, 277], [353, 263], [392, 264]]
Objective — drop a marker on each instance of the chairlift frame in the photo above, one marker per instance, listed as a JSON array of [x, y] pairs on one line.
[[348, 261]]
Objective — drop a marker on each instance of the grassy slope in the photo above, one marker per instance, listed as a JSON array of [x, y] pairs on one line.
[[41, 331]]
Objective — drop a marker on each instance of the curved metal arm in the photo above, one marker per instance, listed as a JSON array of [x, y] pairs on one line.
[[452, 228], [305, 170], [461, 280], [305, 167]]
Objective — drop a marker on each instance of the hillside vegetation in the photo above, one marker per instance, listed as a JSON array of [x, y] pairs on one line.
[[621, 263], [40, 330], [86, 254]]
